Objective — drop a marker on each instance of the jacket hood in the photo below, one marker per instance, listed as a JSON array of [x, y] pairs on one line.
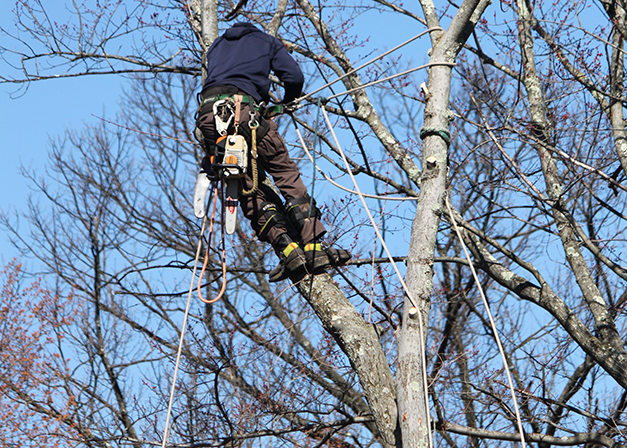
[[238, 30]]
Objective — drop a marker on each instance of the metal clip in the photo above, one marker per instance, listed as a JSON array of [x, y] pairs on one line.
[[253, 121], [223, 113]]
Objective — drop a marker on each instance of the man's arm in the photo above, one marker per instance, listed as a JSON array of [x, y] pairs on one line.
[[288, 72]]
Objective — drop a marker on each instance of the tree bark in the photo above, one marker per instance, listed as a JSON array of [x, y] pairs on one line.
[[209, 29], [360, 342], [410, 382], [541, 127]]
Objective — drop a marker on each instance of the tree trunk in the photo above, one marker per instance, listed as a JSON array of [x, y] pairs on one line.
[[209, 29], [411, 382], [360, 342]]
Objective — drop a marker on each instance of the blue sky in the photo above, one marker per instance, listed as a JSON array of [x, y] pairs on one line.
[[28, 122], [30, 119]]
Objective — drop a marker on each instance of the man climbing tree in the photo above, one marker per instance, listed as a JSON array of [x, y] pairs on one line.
[[238, 65], [517, 151]]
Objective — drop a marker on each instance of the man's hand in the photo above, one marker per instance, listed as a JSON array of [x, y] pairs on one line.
[[290, 108]]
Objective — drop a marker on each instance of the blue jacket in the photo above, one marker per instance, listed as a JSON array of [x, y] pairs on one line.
[[244, 57]]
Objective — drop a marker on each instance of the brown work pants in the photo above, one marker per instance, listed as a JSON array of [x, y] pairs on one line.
[[273, 159]]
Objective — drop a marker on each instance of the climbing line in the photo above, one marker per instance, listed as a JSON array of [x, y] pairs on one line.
[[492, 324], [341, 187], [406, 72], [436, 28], [398, 273], [166, 431], [313, 160]]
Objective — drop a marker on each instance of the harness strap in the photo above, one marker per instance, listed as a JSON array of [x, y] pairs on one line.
[[238, 110], [246, 99], [272, 217], [298, 201], [298, 214]]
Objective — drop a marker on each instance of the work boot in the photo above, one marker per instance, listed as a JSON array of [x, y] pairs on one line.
[[292, 260], [320, 259], [338, 257]]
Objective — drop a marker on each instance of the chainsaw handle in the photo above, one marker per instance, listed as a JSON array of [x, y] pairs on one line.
[[225, 167]]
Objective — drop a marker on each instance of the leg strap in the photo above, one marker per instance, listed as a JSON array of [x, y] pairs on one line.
[[267, 217], [298, 211]]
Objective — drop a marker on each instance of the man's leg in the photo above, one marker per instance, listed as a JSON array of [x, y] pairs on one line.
[[276, 161], [301, 209], [265, 212]]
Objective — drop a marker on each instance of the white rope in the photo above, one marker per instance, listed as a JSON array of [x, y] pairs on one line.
[[166, 431], [493, 325], [406, 72], [437, 28], [398, 273], [341, 187]]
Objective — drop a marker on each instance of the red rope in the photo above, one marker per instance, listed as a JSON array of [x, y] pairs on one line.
[[204, 266]]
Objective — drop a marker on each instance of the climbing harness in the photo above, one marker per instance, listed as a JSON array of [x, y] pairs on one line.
[[229, 164], [232, 157], [232, 162]]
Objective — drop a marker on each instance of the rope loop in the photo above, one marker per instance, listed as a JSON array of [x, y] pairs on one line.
[[204, 265], [443, 133]]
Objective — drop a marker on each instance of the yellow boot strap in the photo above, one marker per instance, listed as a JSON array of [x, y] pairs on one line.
[[288, 250]]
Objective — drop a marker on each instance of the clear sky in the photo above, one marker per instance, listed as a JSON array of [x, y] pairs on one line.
[[27, 123]]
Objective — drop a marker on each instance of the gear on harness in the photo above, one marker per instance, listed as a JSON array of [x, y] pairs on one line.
[[223, 113], [253, 124], [234, 158], [203, 182], [276, 109], [230, 156]]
